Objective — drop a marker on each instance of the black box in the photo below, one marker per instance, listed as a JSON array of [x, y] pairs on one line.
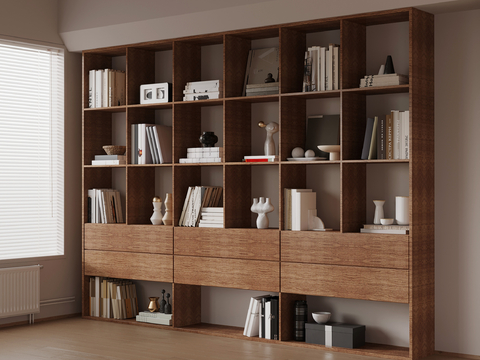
[[342, 335]]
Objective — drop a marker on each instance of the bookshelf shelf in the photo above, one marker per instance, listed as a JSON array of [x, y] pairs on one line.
[[342, 263]]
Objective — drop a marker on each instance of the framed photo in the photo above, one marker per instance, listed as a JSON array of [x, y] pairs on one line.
[[155, 93], [322, 130]]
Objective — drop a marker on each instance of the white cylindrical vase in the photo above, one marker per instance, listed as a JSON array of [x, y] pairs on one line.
[[402, 210]]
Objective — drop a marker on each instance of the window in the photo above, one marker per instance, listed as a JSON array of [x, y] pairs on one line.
[[31, 151]]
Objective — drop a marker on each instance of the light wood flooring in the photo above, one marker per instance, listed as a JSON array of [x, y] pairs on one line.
[[77, 338]]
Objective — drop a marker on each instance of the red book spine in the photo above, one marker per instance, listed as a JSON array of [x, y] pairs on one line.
[[256, 160]]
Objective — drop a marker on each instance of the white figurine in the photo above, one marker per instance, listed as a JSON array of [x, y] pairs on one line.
[[262, 207], [271, 129]]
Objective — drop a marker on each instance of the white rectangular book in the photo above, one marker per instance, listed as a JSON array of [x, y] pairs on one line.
[[185, 205], [247, 318], [302, 201], [206, 210], [268, 316], [105, 88], [383, 231], [163, 139], [210, 225], [322, 68], [109, 162], [328, 69], [254, 319], [98, 88], [157, 315], [91, 195], [396, 134], [153, 320], [91, 88], [202, 96]]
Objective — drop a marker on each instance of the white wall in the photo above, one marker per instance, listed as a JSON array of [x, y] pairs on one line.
[[36, 20]]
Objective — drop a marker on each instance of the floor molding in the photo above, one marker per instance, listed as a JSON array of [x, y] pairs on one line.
[[457, 355], [52, 318]]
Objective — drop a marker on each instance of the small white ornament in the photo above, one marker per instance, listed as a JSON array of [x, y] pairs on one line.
[[298, 152], [309, 153], [262, 207], [379, 214], [157, 216]]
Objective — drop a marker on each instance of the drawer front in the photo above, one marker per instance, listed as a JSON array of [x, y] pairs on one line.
[[228, 243], [135, 266], [132, 238], [231, 273], [334, 248], [345, 282]]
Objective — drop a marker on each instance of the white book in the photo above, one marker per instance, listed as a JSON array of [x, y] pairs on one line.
[[312, 53], [91, 88], [185, 205], [206, 210], [335, 66], [105, 88], [91, 195], [211, 222], [254, 319], [163, 138], [268, 316], [206, 218], [396, 134], [204, 85], [406, 134], [374, 231], [322, 68], [151, 145], [191, 207], [156, 315], [247, 318], [302, 201], [202, 96], [98, 293], [109, 162], [328, 68], [98, 88], [211, 225]]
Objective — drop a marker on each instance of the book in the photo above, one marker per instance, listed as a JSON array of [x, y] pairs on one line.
[[396, 134], [302, 201], [272, 85], [406, 134], [259, 160], [274, 318], [322, 68], [262, 320], [110, 157], [386, 227], [389, 136], [383, 231], [202, 96], [381, 139], [91, 89], [328, 68], [287, 209], [262, 93], [105, 88], [367, 139], [335, 67], [163, 139], [98, 88], [109, 162], [152, 145], [372, 153], [268, 318], [256, 157], [253, 317]]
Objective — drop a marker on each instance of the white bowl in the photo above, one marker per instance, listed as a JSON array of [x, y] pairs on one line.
[[386, 221], [321, 317]]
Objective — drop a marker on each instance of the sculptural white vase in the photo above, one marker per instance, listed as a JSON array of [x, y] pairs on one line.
[[401, 210], [167, 218], [379, 214], [157, 215], [262, 207]]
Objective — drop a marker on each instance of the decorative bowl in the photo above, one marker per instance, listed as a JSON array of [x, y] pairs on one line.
[[386, 221], [321, 317], [334, 151], [115, 149]]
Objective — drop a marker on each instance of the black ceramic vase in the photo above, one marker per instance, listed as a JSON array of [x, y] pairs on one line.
[[208, 139]]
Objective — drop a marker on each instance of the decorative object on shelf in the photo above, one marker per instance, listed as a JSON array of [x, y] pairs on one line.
[[163, 302], [153, 305], [389, 69], [335, 334], [168, 306], [208, 139], [262, 207], [155, 93], [157, 216], [314, 222], [269, 78], [309, 154], [298, 152], [402, 210], [334, 151], [301, 314], [379, 214], [203, 90], [386, 221], [321, 317], [154, 318], [381, 71], [167, 218], [271, 129], [115, 149], [202, 155]]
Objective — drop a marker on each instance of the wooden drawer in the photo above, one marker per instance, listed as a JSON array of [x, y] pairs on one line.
[[133, 238], [334, 248], [251, 244], [231, 273], [345, 282], [135, 266]]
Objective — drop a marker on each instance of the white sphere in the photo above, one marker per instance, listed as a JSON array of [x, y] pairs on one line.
[[297, 152], [309, 153]]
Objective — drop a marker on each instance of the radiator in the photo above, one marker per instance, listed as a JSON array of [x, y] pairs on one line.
[[20, 291]]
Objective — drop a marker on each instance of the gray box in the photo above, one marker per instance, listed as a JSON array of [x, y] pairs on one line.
[[343, 335]]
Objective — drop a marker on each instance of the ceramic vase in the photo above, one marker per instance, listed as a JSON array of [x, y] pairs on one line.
[[153, 305], [262, 207], [379, 214], [157, 216], [167, 218], [208, 139], [401, 210]]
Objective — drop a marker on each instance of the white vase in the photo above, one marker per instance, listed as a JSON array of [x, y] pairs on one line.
[[402, 210], [157, 215], [379, 214], [167, 218], [262, 207]]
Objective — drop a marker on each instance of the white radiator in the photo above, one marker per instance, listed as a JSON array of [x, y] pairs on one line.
[[20, 291]]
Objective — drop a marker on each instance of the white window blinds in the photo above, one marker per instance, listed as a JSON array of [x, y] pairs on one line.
[[31, 151]]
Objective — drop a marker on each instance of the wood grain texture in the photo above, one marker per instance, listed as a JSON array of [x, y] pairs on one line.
[[237, 130], [348, 282], [352, 125], [292, 176], [128, 265], [422, 185], [235, 56], [187, 121], [292, 125], [334, 248], [187, 59], [187, 305], [129, 238], [140, 70], [292, 55], [287, 315], [228, 243], [183, 177], [237, 196], [140, 193], [97, 132], [353, 197], [353, 62], [230, 273]]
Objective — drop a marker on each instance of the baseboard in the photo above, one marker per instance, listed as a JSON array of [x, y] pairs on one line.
[[52, 318], [456, 355]]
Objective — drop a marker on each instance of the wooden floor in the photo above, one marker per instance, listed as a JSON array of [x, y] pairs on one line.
[[77, 338]]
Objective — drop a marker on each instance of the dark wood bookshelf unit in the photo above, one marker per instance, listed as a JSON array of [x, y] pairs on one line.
[[343, 263]]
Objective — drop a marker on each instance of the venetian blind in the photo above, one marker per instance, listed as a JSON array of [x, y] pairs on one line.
[[31, 150]]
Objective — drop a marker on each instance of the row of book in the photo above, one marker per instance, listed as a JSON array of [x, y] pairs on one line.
[[203, 90], [383, 80], [262, 318], [270, 88], [197, 198], [106, 88], [202, 155], [151, 144], [385, 229], [109, 160], [211, 217], [104, 206], [387, 137], [321, 68], [154, 318], [112, 298]]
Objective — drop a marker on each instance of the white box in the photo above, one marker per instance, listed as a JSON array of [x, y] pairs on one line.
[[155, 93]]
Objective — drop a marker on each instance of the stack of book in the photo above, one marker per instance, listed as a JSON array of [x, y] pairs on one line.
[[321, 69], [387, 137], [383, 80], [151, 144], [203, 155], [211, 217], [203, 90], [109, 160], [262, 89], [113, 298], [260, 158], [106, 88], [385, 229], [104, 206], [154, 318], [262, 318], [197, 198]]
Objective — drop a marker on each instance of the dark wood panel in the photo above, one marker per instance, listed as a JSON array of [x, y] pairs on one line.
[[235, 55], [292, 55], [334, 248], [128, 265], [97, 132], [228, 243], [353, 123], [349, 282], [353, 197], [353, 64], [292, 125], [140, 193], [187, 121], [130, 238], [237, 130], [287, 315], [230, 273], [237, 203], [187, 58], [187, 304], [140, 71]]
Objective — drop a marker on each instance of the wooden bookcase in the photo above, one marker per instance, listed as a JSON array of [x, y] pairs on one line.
[[343, 263]]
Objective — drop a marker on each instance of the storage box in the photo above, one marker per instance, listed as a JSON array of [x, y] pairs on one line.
[[335, 334]]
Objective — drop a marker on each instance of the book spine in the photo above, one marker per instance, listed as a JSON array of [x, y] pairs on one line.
[[389, 140], [406, 134], [98, 88], [91, 89]]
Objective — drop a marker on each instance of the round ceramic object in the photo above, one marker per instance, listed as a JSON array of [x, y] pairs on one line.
[[321, 317], [334, 151], [309, 153], [297, 152], [386, 221], [115, 149]]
